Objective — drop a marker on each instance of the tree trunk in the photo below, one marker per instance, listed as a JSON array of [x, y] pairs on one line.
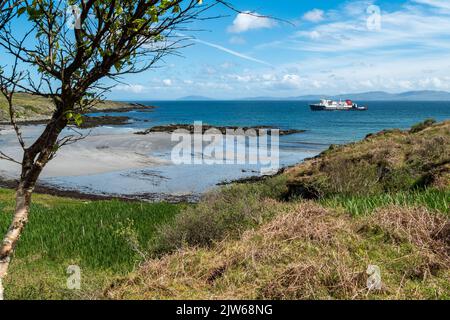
[[34, 160], [20, 219]]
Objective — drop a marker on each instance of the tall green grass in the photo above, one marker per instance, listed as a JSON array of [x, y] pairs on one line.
[[106, 239], [360, 205], [99, 234]]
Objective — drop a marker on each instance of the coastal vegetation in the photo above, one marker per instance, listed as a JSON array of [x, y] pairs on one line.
[[31, 108], [261, 240], [386, 162], [273, 240]]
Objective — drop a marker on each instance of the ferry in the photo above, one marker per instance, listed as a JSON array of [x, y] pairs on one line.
[[330, 105]]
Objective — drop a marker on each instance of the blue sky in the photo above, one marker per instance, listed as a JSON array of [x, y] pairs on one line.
[[329, 47]]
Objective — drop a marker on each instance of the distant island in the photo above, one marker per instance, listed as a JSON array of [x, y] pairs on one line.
[[424, 95], [195, 98]]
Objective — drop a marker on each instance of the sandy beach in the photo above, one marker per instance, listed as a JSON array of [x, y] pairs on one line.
[[117, 162], [101, 151]]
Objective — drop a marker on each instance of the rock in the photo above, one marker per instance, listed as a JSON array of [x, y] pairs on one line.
[[238, 130], [92, 122]]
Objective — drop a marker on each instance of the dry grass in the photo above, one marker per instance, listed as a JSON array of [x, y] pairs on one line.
[[309, 222], [429, 233], [307, 252]]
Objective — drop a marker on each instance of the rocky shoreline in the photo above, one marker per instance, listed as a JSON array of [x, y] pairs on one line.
[[125, 108], [88, 121], [260, 130], [80, 195]]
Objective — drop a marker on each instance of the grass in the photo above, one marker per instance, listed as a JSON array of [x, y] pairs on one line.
[[362, 205], [306, 252], [30, 106], [102, 237]]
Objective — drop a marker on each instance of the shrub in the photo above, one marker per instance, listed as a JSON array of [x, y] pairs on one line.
[[222, 213], [422, 125]]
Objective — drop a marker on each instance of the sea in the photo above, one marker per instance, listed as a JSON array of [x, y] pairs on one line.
[[322, 129]]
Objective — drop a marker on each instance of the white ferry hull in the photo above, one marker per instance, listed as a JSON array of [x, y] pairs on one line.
[[329, 105]]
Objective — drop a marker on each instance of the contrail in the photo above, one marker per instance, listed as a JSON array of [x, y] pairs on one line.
[[232, 52]]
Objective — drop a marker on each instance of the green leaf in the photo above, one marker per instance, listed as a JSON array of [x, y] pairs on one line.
[[78, 119], [21, 11]]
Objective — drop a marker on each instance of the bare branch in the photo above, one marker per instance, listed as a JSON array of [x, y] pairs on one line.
[[4, 156]]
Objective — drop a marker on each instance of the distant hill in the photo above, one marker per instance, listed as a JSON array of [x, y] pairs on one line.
[[195, 98], [425, 95]]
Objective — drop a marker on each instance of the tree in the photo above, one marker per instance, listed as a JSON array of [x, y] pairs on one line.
[[64, 56]]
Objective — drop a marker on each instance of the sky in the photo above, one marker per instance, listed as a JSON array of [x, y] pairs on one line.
[[313, 47]]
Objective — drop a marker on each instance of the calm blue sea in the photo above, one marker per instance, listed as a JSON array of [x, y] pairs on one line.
[[322, 129]]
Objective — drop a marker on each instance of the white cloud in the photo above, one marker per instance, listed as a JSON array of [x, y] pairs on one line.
[[406, 84], [237, 40], [290, 81], [443, 4], [337, 54], [315, 15], [246, 21], [310, 34], [435, 83], [232, 52], [352, 73], [269, 77], [411, 27], [227, 65], [133, 88], [167, 82], [243, 78], [210, 70], [275, 80]]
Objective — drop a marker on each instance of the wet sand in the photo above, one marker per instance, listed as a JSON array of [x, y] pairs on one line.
[[99, 152]]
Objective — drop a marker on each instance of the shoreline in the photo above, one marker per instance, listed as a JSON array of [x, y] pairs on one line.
[[47, 189], [80, 195], [88, 121]]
